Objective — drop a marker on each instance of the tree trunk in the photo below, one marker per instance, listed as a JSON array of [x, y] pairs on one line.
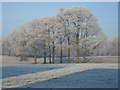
[[68, 55], [85, 46], [9, 53], [35, 57], [21, 57], [26, 58], [68, 50], [53, 53], [77, 45], [84, 57], [49, 55], [50, 58], [61, 55], [44, 55]]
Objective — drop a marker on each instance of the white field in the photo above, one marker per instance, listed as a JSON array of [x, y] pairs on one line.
[[17, 74], [8, 61]]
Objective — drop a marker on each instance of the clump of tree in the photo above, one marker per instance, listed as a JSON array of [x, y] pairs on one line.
[[82, 24], [107, 47], [71, 32]]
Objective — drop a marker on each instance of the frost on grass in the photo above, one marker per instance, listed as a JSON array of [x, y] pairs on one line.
[[94, 78], [11, 71], [73, 76]]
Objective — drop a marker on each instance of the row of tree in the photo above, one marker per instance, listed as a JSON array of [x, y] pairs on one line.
[[72, 32]]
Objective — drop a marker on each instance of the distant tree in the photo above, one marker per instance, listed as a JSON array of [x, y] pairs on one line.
[[100, 45], [6, 46], [113, 46], [18, 39]]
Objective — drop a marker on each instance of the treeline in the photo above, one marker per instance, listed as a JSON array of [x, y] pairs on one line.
[[71, 32]]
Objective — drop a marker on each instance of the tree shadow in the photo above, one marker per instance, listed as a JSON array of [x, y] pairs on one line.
[[11, 71], [92, 78]]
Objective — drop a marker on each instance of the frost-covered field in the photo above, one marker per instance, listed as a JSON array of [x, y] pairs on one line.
[[89, 75], [13, 61]]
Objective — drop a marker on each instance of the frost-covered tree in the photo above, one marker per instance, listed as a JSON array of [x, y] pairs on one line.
[[114, 46], [47, 34], [0, 45], [6, 47], [64, 20], [72, 31], [54, 26], [18, 39], [111, 47], [61, 42], [32, 42], [89, 32], [82, 22]]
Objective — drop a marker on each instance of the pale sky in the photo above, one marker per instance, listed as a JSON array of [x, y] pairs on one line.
[[17, 13]]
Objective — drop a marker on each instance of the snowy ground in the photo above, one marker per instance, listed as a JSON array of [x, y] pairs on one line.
[[10, 71], [89, 75], [93, 78], [72, 76], [10, 61]]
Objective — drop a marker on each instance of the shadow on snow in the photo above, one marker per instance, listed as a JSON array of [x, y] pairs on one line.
[[92, 78], [11, 71]]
